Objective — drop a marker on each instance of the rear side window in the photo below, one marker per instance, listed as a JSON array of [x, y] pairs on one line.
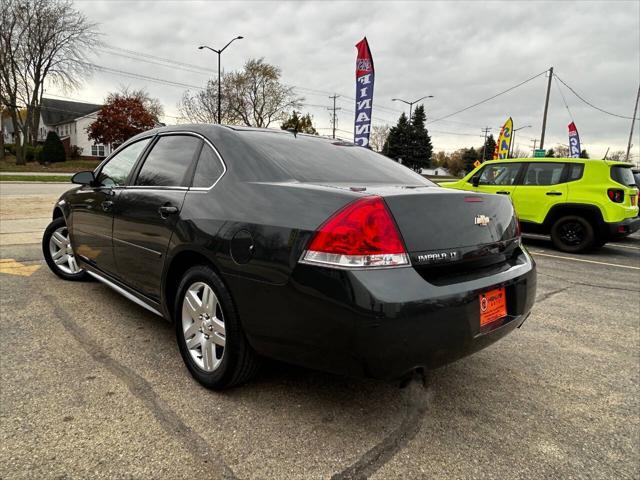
[[499, 174], [543, 174], [312, 159], [114, 173], [623, 175], [168, 162], [575, 171], [209, 168]]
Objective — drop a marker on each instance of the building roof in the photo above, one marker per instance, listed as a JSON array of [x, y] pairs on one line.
[[62, 111]]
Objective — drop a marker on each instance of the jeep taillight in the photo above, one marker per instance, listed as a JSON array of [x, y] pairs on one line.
[[616, 195], [362, 234], [634, 199]]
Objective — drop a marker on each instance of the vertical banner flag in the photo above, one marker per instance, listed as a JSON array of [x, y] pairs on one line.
[[364, 94], [504, 140], [574, 141]]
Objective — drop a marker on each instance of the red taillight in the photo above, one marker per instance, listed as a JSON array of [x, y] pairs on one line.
[[616, 195], [362, 234], [634, 199]]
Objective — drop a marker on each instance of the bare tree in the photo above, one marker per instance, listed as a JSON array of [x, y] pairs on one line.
[[42, 41], [379, 134], [202, 106]]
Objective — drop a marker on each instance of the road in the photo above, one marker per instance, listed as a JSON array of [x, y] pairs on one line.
[[93, 387]]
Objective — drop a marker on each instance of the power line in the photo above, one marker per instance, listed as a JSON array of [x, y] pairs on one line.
[[487, 99], [591, 104], [564, 100]]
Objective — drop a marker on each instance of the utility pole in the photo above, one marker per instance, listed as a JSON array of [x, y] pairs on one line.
[[633, 122], [334, 118], [535, 141], [484, 145], [546, 108]]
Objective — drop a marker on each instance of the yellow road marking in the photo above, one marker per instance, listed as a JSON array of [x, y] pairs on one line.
[[11, 267], [584, 260]]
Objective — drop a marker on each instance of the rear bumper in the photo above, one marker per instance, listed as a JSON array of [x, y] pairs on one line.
[[380, 323], [626, 227]]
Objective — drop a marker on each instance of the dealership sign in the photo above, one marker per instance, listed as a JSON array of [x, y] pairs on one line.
[[364, 94], [574, 141]]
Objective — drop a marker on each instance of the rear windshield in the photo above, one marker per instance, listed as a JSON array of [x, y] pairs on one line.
[[623, 175], [308, 159]]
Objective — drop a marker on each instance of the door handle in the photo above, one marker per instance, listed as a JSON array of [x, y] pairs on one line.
[[167, 210], [554, 193], [106, 205], [504, 192]]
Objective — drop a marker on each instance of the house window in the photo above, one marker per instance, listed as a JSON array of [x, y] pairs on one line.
[[97, 150]]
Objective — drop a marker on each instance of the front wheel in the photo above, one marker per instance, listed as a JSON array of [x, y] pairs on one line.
[[58, 252], [573, 234], [210, 337]]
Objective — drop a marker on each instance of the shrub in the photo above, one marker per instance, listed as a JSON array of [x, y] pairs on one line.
[[10, 148], [76, 152], [53, 150], [30, 153], [39, 157]]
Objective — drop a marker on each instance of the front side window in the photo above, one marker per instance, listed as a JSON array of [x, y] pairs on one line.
[[168, 162], [208, 170], [544, 174], [499, 174], [114, 173]]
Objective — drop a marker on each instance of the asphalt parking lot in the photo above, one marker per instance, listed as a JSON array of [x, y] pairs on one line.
[[93, 386]]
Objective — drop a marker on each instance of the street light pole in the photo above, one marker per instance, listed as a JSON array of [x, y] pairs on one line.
[[219, 52], [513, 139], [410, 103]]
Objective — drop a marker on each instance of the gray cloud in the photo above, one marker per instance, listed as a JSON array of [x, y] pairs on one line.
[[460, 52]]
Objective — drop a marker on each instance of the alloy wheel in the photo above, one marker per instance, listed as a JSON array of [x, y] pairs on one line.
[[62, 252], [572, 233], [203, 326]]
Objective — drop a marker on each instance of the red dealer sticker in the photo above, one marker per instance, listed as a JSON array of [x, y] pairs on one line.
[[493, 306]]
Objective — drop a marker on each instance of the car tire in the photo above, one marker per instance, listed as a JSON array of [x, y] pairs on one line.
[[209, 334], [58, 252], [573, 234]]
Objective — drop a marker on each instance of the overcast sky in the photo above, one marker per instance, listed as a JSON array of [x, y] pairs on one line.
[[459, 52]]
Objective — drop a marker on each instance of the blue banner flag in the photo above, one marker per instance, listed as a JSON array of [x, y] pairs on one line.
[[574, 141], [364, 94]]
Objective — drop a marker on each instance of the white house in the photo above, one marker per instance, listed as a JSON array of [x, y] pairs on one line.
[[70, 121]]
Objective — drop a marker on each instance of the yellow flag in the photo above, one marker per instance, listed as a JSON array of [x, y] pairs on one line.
[[504, 140]]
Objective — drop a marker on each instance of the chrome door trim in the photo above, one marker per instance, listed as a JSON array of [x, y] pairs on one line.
[[124, 293]]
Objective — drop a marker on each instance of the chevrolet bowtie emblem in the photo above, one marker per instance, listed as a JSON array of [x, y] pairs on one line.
[[482, 220]]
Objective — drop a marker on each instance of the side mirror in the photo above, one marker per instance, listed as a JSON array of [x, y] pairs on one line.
[[475, 181], [84, 178]]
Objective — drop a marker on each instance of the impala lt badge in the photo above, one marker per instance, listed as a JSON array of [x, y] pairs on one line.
[[482, 220]]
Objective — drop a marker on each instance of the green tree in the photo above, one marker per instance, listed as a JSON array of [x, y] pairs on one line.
[[469, 157], [397, 145], [299, 124], [486, 153], [550, 153], [53, 150], [420, 148], [584, 154]]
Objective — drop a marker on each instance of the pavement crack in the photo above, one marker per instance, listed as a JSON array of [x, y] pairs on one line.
[[171, 423], [417, 397], [552, 293]]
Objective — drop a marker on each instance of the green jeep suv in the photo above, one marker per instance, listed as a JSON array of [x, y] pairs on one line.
[[581, 203]]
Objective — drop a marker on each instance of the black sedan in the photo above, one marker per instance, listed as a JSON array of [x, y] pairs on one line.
[[309, 250]]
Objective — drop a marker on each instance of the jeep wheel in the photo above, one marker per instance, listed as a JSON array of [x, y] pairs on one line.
[[572, 234]]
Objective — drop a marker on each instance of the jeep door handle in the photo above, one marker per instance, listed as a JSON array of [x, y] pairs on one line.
[[167, 210], [504, 192], [106, 205], [554, 193]]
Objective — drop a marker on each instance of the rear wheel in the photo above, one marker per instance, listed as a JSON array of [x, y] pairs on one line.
[[211, 341], [58, 252], [573, 234]]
